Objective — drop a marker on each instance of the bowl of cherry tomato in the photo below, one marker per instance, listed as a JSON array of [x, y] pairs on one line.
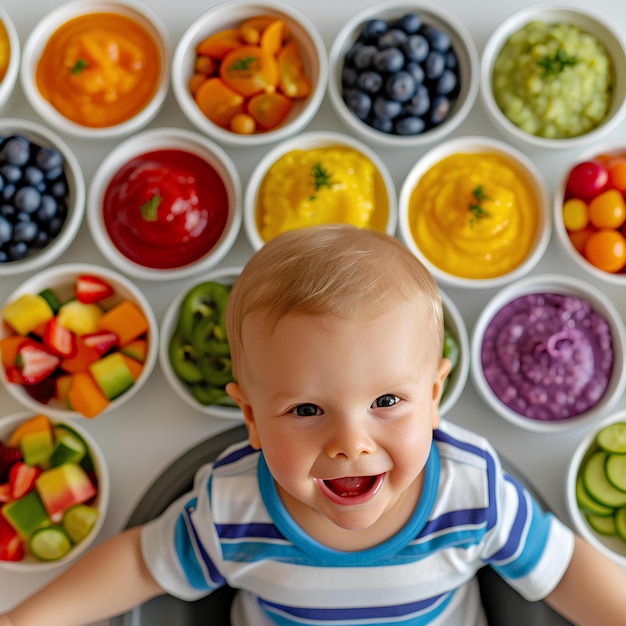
[[249, 74], [590, 213]]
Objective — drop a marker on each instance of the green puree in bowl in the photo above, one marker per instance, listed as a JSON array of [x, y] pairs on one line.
[[553, 80]]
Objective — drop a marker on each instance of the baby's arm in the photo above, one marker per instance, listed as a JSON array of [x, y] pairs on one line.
[[591, 591], [109, 580]]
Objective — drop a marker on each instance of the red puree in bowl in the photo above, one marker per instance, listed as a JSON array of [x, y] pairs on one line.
[[548, 356], [165, 209]]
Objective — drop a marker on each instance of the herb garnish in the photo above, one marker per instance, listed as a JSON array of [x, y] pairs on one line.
[[242, 65], [79, 66], [554, 65], [149, 209], [476, 208], [321, 178]]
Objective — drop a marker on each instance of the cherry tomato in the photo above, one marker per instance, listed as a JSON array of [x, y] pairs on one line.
[[606, 249], [242, 123], [579, 238], [607, 210], [575, 214], [617, 173], [586, 179]]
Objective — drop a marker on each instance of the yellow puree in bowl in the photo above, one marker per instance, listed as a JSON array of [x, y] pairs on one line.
[[474, 215], [321, 186], [5, 50], [99, 69]]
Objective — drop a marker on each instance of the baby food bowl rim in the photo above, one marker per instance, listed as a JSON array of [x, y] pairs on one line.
[[567, 285], [552, 12], [141, 143], [468, 58], [7, 85], [64, 274], [77, 193], [198, 30], [476, 144], [29, 564], [38, 38]]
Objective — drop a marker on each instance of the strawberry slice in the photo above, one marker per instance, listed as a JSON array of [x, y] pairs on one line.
[[90, 289], [59, 339], [22, 479], [5, 493], [11, 545], [101, 341], [34, 362]]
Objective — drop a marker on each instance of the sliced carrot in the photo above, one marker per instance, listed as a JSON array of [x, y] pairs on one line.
[[219, 44], [293, 81], [250, 70], [269, 109], [250, 30], [126, 320], [8, 349], [85, 355], [273, 36], [218, 101], [85, 396]]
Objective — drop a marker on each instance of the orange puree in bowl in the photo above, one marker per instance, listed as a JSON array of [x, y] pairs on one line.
[[99, 69], [5, 50]]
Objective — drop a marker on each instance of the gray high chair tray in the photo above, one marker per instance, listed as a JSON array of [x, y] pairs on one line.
[[503, 605]]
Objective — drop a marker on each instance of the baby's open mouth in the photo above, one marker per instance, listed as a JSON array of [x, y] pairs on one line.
[[351, 486]]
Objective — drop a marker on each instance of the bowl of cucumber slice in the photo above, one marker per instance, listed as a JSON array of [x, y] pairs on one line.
[[596, 487]]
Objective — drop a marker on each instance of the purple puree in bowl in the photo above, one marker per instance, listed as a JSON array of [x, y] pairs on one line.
[[548, 356]]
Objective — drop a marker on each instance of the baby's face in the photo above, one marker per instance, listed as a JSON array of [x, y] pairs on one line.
[[344, 411]]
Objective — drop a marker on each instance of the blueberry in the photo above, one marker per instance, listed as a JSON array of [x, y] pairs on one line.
[[17, 251], [33, 175], [59, 188], [410, 23], [8, 191], [416, 48], [435, 65], [386, 108], [55, 225], [369, 82], [364, 57], [447, 83], [409, 126], [16, 150], [439, 39], [452, 61], [389, 60], [4, 257], [383, 124], [348, 76], [6, 230], [415, 70], [393, 38], [400, 86], [48, 209], [419, 104], [54, 172], [21, 216], [42, 239], [11, 173], [25, 231], [7, 210], [49, 159], [358, 102], [349, 56], [27, 199], [373, 29], [440, 110]]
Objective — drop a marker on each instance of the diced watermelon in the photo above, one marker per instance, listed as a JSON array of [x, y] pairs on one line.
[[11, 545]]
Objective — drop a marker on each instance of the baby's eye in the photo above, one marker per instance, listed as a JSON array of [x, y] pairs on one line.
[[306, 410], [387, 400]]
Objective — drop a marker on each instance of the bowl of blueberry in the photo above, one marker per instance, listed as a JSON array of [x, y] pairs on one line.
[[42, 196], [405, 75]]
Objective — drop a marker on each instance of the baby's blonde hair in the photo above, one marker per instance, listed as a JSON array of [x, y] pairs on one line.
[[330, 270]]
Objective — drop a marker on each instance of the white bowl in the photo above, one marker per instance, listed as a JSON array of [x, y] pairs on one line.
[[165, 139], [29, 564], [229, 15], [588, 22], [610, 545], [61, 279], [462, 43], [475, 145], [43, 137], [453, 321], [567, 286], [7, 83], [614, 148], [225, 276], [384, 185], [36, 44]]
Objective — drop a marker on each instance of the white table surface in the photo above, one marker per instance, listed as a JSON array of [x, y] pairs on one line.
[[155, 427]]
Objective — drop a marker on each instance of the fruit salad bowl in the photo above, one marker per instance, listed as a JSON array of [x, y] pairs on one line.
[[404, 75], [54, 491], [43, 196], [76, 340]]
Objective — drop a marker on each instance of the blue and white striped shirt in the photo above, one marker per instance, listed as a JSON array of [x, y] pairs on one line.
[[233, 529]]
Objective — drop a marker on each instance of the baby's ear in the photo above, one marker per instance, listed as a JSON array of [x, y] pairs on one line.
[[445, 365], [235, 392]]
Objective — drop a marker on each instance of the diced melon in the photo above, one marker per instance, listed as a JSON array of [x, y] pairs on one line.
[[62, 389], [85, 396], [26, 514], [126, 320], [69, 447], [31, 425], [79, 317], [26, 313], [137, 349], [135, 366], [79, 520], [112, 375]]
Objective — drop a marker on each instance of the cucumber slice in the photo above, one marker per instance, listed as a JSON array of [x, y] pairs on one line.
[[602, 525], [612, 438], [587, 504], [597, 484], [620, 523], [616, 470], [50, 543]]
